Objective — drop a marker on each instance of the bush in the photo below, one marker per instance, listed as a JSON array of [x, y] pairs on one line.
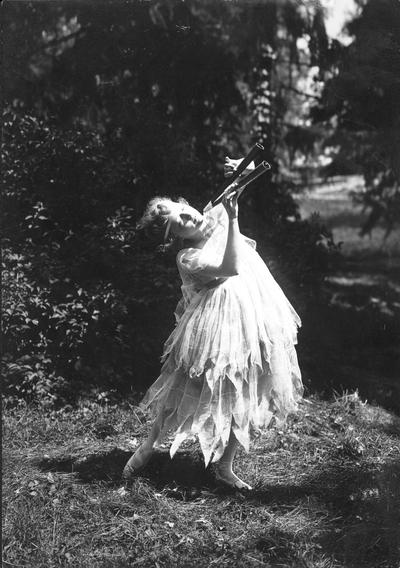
[[80, 296], [87, 304]]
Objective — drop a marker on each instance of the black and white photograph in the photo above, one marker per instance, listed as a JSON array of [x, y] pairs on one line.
[[200, 308]]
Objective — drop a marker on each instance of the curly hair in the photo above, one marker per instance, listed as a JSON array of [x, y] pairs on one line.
[[154, 220]]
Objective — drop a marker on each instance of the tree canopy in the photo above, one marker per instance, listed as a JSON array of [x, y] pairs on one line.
[[361, 107]]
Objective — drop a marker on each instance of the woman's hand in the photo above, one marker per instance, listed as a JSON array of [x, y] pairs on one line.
[[231, 205], [231, 166]]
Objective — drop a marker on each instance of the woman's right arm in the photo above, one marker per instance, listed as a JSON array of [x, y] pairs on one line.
[[230, 262]]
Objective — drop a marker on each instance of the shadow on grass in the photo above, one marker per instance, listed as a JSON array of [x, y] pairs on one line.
[[183, 477], [185, 470], [367, 506], [353, 344], [358, 504], [100, 466], [358, 507]]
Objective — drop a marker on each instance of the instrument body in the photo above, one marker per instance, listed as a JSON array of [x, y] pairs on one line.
[[237, 181]]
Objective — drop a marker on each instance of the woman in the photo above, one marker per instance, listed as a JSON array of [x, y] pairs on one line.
[[229, 366]]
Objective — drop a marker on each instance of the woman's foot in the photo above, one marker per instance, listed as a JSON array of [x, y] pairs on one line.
[[225, 475], [137, 462]]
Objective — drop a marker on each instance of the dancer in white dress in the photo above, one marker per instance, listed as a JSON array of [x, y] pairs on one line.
[[230, 365]]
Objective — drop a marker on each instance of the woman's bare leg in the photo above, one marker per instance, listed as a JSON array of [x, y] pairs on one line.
[[224, 466], [143, 454]]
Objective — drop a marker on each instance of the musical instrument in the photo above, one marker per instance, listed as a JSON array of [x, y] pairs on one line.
[[238, 181]]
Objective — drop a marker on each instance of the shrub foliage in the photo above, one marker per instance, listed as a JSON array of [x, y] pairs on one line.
[[99, 117]]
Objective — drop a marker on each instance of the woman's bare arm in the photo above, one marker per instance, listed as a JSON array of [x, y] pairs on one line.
[[230, 262]]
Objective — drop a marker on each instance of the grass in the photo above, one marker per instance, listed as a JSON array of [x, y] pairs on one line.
[[327, 493], [333, 202], [352, 339]]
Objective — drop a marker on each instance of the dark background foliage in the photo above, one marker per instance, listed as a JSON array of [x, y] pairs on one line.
[[107, 104], [363, 99]]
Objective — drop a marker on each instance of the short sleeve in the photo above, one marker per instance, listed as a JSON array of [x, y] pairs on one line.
[[192, 264], [189, 261]]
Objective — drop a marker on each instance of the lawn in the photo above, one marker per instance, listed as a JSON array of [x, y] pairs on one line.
[[327, 493], [351, 340], [333, 201]]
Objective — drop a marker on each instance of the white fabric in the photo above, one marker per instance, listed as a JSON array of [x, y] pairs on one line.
[[231, 360]]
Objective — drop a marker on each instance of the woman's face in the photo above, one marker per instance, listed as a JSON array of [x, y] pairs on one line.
[[184, 221]]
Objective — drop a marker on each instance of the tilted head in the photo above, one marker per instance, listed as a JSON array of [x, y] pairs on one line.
[[172, 219]]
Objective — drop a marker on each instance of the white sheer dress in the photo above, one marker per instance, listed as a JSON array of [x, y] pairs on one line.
[[230, 362]]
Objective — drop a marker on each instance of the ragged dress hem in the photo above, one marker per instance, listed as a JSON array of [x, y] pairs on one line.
[[211, 403]]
